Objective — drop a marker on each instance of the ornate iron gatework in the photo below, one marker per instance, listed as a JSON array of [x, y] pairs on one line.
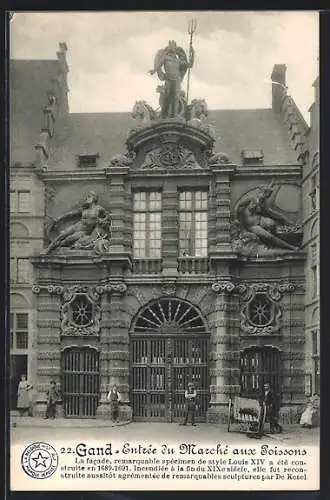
[[80, 381], [169, 349]]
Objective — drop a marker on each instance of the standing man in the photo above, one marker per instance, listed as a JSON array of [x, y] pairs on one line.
[[171, 65], [114, 398], [268, 398], [53, 396], [190, 397]]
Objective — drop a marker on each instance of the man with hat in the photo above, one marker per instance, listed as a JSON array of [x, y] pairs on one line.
[[190, 396]]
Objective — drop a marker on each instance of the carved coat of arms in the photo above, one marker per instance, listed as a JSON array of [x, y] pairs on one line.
[[170, 156]]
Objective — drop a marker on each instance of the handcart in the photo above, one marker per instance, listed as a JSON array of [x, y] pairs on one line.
[[248, 414]]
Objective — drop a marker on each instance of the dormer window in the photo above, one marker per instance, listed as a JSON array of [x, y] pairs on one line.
[[88, 161], [252, 156]]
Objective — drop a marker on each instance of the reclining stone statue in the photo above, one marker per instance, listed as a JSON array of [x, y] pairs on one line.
[[257, 216], [90, 232]]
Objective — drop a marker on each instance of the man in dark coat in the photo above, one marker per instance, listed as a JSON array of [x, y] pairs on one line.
[[268, 398], [114, 398], [53, 396], [190, 397]]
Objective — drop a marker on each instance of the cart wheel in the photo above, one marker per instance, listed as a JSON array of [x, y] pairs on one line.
[[229, 415]]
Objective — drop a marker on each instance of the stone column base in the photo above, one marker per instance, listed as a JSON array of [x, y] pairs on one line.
[[125, 412], [39, 409], [217, 414], [59, 411]]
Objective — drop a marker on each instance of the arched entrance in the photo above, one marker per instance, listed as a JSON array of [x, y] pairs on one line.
[[169, 348], [80, 381]]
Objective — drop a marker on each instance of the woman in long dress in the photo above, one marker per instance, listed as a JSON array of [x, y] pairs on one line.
[[310, 413], [23, 396]]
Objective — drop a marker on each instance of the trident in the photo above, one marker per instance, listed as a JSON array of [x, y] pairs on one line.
[[192, 25]]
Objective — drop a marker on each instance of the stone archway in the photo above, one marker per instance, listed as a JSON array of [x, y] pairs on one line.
[[169, 347]]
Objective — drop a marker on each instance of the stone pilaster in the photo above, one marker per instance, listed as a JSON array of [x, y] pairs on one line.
[[48, 345], [114, 345], [224, 354], [117, 206], [221, 201], [293, 356], [170, 230], [103, 410]]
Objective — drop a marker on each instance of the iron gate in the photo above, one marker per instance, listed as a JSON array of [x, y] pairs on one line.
[[161, 368], [258, 366], [80, 382]]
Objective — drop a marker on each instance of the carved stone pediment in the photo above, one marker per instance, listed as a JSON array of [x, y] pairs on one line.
[[170, 155]]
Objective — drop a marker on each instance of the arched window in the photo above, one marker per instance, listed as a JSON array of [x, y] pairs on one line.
[[258, 366], [169, 315]]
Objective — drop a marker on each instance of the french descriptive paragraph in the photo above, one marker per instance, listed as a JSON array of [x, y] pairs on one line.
[[264, 463]]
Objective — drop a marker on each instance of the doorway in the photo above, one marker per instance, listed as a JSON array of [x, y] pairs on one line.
[[80, 382], [169, 349]]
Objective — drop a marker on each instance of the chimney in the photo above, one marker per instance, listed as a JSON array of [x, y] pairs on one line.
[[63, 78], [278, 86]]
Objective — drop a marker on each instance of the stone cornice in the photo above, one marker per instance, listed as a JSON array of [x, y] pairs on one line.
[[273, 257], [78, 257], [89, 174], [68, 291], [219, 169], [160, 280], [269, 171], [22, 169], [274, 289], [202, 172]]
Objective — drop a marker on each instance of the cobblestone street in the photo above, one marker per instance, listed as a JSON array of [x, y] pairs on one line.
[[33, 429]]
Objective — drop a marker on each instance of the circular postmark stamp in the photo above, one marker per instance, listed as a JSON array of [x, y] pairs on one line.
[[39, 460]]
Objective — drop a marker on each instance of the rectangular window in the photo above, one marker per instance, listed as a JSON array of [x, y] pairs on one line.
[[23, 270], [314, 343], [193, 215], [87, 161], [11, 326], [315, 284], [147, 213], [24, 201], [13, 270], [314, 193], [317, 375], [316, 361], [314, 253], [19, 330], [13, 201]]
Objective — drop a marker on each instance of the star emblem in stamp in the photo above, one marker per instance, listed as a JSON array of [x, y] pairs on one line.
[[39, 460]]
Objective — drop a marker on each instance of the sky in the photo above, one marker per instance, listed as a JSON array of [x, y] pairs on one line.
[[110, 53]]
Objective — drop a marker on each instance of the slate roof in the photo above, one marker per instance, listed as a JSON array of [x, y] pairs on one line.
[[105, 133], [29, 82]]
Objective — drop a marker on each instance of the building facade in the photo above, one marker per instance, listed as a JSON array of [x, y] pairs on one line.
[[311, 219], [173, 251], [33, 85]]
